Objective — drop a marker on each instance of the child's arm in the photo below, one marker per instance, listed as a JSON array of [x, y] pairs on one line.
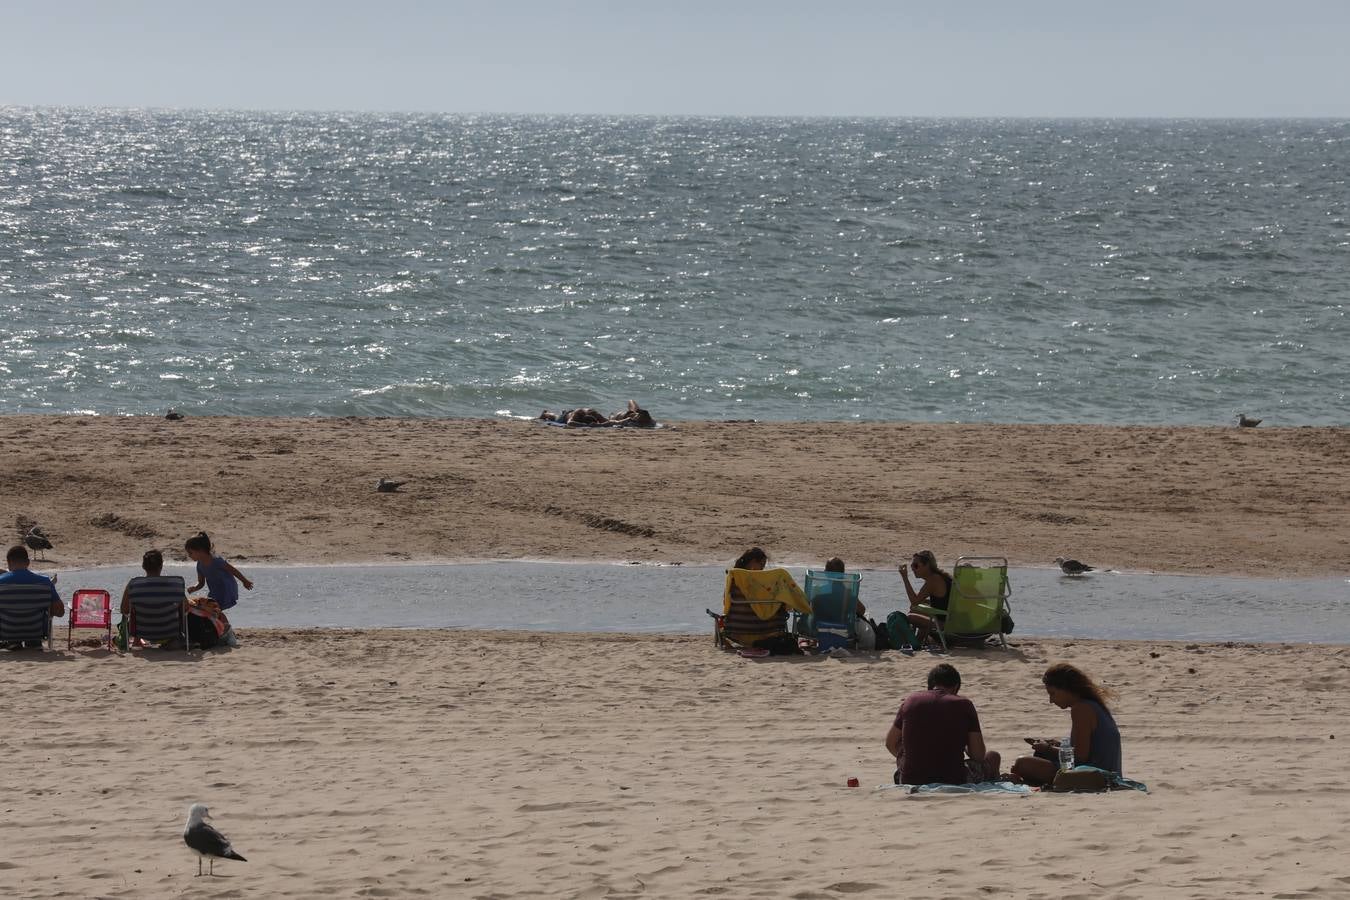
[[248, 585], [201, 580]]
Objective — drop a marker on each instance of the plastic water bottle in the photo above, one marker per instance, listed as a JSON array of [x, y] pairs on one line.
[[1065, 755]]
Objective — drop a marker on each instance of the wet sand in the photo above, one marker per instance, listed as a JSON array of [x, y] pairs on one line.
[[1263, 501]]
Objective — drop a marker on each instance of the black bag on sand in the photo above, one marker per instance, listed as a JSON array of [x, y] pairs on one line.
[[882, 636], [201, 632]]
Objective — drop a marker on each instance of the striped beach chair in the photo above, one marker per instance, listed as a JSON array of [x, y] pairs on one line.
[[26, 614], [158, 609], [755, 607]]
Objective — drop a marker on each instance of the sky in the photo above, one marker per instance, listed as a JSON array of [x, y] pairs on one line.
[[1239, 58]]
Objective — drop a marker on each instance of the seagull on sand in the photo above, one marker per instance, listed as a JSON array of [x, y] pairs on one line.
[[1072, 566], [37, 540], [205, 840], [388, 485], [1244, 422]]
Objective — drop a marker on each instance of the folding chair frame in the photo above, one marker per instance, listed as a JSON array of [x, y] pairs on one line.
[[107, 608], [32, 605], [939, 616]]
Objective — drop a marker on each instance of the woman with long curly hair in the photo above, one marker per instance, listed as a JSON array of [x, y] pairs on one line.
[[1093, 733]]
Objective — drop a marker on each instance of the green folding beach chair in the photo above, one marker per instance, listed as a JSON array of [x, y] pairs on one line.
[[978, 603]]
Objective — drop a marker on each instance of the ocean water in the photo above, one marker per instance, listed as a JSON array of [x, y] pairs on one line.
[[330, 264], [671, 599]]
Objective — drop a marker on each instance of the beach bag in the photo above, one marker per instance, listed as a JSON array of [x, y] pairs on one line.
[[832, 636], [201, 632], [1085, 778], [901, 633], [881, 638]]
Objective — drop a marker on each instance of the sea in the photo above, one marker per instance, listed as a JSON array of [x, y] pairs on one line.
[[328, 264]]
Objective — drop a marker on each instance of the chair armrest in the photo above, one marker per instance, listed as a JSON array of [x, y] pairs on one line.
[[930, 610]]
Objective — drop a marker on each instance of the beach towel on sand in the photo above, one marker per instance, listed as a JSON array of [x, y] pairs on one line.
[[939, 790]]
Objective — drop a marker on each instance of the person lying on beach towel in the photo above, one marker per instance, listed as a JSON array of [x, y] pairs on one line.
[[586, 417]]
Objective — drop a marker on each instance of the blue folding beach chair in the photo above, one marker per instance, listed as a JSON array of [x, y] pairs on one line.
[[158, 609], [26, 614], [834, 609]]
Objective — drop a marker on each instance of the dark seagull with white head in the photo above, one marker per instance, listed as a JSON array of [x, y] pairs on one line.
[[1072, 566], [208, 843]]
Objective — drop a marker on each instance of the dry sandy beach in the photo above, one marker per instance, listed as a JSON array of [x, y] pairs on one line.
[[1215, 500], [385, 764]]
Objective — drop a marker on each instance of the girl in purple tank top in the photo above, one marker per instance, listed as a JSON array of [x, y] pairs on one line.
[[214, 572]]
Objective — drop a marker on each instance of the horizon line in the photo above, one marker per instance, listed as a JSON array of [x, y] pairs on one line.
[[974, 117]]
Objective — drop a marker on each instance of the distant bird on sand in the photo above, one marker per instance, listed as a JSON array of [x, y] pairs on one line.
[[35, 539], [1072, 566], [388, 485], [206, 841], [1244, 422], [173, 415]]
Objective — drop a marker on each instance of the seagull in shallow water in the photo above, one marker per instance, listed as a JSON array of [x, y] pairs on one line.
[[388, 485], [1244, 422], [206, 841], [1072, 566], [37, 540]]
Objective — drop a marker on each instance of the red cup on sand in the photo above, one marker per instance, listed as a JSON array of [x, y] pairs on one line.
[[853, 782]]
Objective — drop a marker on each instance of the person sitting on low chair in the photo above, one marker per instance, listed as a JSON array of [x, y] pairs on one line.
[[862, 629], [17, 561]]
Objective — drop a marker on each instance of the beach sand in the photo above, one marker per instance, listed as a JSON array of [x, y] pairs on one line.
[[440, 763], [403, 764], [1264, 501]]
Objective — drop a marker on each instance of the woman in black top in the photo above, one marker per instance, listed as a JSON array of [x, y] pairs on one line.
[[936, 588]]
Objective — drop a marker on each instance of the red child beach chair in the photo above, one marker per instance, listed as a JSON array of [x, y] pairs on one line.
[[90, 608]]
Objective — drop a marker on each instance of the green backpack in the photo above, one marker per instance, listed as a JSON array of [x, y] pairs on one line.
[[900, 632]]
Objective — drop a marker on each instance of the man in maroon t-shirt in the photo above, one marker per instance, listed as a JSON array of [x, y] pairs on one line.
[[932, 732]]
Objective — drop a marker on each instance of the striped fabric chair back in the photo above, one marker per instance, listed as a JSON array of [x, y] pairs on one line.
[[25, 612], [157, 607]]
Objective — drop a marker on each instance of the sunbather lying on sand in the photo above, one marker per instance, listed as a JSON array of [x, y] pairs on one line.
[[634, 416]]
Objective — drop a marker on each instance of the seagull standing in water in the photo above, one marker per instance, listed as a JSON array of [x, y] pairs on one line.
[[205, 840], [1072, 566]]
